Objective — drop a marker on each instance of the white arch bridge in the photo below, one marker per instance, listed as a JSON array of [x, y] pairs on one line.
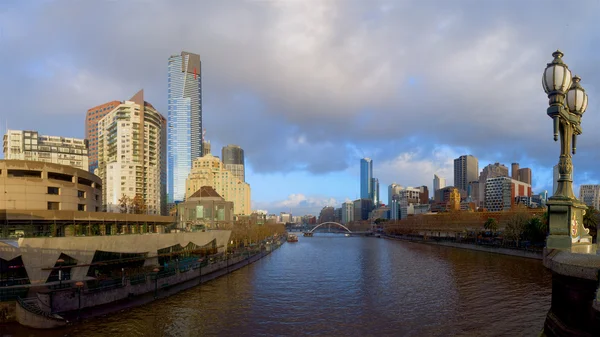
[[311, 232]]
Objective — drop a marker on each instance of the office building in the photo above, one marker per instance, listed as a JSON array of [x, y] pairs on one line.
[[210, 171], [501, 193], [233, 158], [347, 212], [30, 145], [393, 189], [375, 192], [423, 195], [184, 133], [285, 217], [521, 174], [92, 117], [366, 179], [590, 195], [466, 169], [408, 198], [491, 171], [131, 155], [438, 182], [205, 147], [362, 208], [327, 214]]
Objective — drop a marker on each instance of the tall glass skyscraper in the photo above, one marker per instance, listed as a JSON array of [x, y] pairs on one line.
[[184, 128], [366, 178]]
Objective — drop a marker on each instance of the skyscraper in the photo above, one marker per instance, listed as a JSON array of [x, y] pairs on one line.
[[393, 189], [438, 182], [131, 155], [366, 176], [466, 169], [92, 117], [375, 191], [184, 132], [233, 158]]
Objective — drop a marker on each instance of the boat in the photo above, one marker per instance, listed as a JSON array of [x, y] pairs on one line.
[[346, 234], [292, 238]]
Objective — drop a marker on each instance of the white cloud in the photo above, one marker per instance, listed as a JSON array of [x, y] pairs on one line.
[[298, 204]]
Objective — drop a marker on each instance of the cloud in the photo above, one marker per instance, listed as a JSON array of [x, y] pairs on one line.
[[298, 204]]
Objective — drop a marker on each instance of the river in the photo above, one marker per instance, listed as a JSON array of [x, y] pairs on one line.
[[334, 285]]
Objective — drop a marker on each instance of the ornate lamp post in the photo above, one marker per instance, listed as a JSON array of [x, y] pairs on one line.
[[568, 101]]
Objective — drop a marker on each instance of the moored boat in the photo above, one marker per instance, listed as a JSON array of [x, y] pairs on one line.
[[292, 238]]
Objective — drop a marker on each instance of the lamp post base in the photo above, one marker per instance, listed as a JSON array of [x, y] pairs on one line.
[[565, 222]]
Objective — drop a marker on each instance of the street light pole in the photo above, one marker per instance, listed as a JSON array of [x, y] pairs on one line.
[[60, 277], [567, 103], [79, 286]]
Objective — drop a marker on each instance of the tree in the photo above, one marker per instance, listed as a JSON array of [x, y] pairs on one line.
[[138, 206], [536, 229], [124, 203], [590, 220], [516, 224], [491, 225]]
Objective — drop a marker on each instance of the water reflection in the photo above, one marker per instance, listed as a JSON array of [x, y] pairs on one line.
[[336, 285]]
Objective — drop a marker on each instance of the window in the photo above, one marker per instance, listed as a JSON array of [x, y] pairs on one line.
[[81, 194], [53, 206], [53, 190], [81, 207]]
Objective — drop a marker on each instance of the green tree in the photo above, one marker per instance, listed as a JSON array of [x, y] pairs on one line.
[[516, 225], [536, 229], [590, 221], [491, 225]]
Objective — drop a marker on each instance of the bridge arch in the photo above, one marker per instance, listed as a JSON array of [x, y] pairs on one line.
[[330, 222]]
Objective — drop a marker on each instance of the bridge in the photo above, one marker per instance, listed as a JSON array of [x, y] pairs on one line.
[[346, 229]]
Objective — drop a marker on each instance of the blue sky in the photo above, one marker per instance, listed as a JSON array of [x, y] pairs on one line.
[[309, 87]]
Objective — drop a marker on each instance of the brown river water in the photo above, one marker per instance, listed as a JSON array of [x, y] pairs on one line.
[[332, 285]]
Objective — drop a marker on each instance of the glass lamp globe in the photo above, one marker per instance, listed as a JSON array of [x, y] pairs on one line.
[[577, 99], [557, 76]]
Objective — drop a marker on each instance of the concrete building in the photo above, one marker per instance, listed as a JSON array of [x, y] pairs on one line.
[[366, 179], [393, 189], [395, 207], [185, 121], [466, 169], [210, 171], [205, 147], [233, 158], [491, 171], [32, 186], [327, 214], [514, 171], [337, 214], [408, 198], [362, 208], [590, 195], [285, 217], [501, 193], [92, 117], [423, 195], [438, 182], [380, 213], [131, 155], [30, 145], [204, 209], [347, 212]]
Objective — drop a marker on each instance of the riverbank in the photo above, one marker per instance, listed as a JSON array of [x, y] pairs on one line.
[[74, 304], [482, 248]]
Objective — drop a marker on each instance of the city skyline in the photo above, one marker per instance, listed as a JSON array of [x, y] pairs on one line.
[[311, 107]]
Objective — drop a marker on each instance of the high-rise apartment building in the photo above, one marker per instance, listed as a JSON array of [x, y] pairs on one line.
[[92, 117], [366, 178], [210, 171], [438, 182], [466, 169], [30, 145], [131, 155], [233, 158], [590, 195], [347, 212], [393, 189], [184, 132]]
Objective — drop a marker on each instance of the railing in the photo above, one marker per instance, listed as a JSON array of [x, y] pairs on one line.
[[31, 305], [11, 294]]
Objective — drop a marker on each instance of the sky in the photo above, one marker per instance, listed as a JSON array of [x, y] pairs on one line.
[[307, 88]]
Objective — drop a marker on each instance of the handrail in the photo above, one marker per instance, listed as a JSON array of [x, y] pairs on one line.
[[27, 304]]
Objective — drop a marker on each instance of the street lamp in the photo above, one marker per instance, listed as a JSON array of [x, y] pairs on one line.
[[60, 262], [79, 286], [156, 270], [567, 103]]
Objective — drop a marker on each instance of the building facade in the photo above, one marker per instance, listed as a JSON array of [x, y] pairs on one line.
[[184, 133], [347, 212], [393, 189], [92, 117], [590, 195], [362, 208], [33, 186], [210, 171], [491, 171], [375, 192], [501, 193], [204, 209], [366, 179], [466, 169], [438, 182], [30, 145], [131, 155], [233, 158]]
